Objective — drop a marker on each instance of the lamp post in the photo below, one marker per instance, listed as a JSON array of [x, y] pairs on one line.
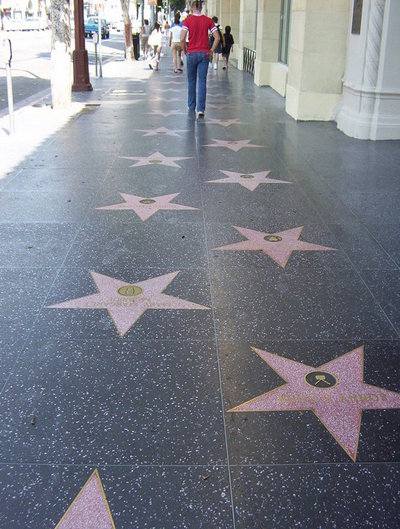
[[80, 54]]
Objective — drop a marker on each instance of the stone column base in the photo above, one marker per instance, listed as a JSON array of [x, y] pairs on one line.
[[239, 52], [310, 106], [369, 115], [273, 74]]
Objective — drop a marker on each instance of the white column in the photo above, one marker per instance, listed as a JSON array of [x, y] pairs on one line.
[[225, 13], [370, 107], [317, 56], [247, 29], [235, 25], [267, 70]]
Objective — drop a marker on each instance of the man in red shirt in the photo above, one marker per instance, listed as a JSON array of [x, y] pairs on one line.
[[199, 55]]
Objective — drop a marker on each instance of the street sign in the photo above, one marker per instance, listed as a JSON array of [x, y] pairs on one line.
[[6, 51], [6, 56]]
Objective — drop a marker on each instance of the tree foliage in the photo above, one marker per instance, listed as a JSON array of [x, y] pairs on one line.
[[177, 5]]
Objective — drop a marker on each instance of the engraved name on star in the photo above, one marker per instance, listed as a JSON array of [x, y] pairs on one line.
[[90, 509], [334, 391], [127, 302], [248, 180], [156, 159], [146, 207], [279, 246], [161, 131], [235, 146], [224, 122]]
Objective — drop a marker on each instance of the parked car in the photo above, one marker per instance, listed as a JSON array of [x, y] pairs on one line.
[[92, 26]]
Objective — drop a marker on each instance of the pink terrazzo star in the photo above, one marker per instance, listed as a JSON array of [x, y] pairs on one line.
[[90, 509], [126, 302], [171, 82], [334, 391], [233, 145], [224, 122], [163, 113], [161, 131], [156, 159], [279, 246], [248, 180], [146, 207]]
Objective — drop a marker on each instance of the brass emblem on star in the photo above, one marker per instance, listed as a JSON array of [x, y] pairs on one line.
[[273, 238], [147, 201], [247, 176], [154, 161], [130, 290], [321, 380]]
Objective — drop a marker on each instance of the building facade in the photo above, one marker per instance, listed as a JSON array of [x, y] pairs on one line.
[[331, 60]]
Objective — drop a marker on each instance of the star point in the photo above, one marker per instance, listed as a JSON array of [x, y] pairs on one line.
[[90, 509]]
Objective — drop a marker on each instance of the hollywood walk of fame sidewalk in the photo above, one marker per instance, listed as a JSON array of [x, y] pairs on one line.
[[199, 318]]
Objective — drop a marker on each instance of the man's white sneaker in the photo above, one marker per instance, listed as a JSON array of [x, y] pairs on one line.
[[215, 66], [200, 115]]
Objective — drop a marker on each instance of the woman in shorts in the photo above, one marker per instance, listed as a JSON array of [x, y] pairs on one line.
[[175, 43]]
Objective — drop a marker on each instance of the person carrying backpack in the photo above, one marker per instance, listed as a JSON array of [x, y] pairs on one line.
[[221, 44]]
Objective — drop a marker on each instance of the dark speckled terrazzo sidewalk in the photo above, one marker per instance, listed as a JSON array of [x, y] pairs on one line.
[[199, 319]]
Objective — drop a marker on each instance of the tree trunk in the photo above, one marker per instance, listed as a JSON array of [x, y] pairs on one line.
[[128, 30], [61, 79]]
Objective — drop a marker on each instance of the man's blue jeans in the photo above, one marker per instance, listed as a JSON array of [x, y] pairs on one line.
[[197, 69]]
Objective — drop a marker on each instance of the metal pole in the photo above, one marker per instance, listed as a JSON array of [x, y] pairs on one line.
[[100, 51], [95, 55], [10, 97]]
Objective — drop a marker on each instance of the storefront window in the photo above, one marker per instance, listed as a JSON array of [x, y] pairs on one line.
[[286, 9]]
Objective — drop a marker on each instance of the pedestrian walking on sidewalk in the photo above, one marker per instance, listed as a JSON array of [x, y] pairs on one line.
[[228, 47], [155, 44], [220, 45], [144, 38], [197, 27], [175, 43]]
